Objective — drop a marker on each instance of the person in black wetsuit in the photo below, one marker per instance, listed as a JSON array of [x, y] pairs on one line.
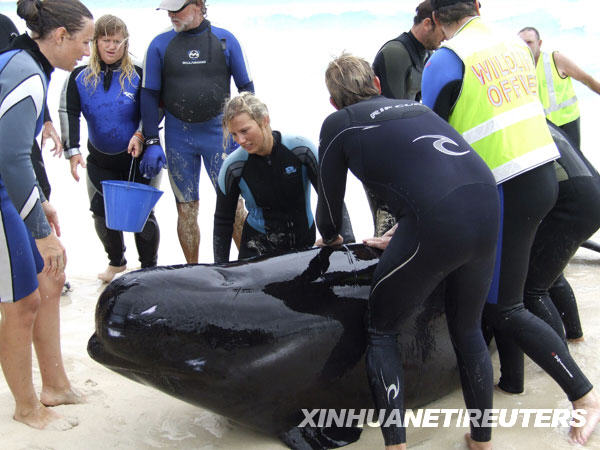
[[445, 201], [555, 73], [399, 65], [574, 218], [273, 172], [513, 138], [399, 62]]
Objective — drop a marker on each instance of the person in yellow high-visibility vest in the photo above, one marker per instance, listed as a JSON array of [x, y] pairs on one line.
[[484, 83], [554, 72]]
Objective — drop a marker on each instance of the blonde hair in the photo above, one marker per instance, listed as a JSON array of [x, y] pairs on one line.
[[109, 25], [247, 103], [349, 80]]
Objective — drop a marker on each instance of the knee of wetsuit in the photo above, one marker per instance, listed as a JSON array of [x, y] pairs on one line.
[[469, 342], [112, 241], [150, 230], [499, 316], [100, 225], [382, 340], [147, 242]]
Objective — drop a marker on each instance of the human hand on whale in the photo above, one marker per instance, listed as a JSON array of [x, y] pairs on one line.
[[382, 241]]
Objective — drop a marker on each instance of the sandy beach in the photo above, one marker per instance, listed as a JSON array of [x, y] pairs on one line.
[[120, 413]]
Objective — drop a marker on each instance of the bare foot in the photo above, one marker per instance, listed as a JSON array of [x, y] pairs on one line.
[[42, 418], [51, 397], [476, 445], [110, 273], [589, 402], [576, 340]]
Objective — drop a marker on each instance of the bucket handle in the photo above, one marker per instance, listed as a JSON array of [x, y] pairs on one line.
[[131, 176]]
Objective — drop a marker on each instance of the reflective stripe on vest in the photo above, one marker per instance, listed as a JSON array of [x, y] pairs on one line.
[[498, 110], [556, 93]]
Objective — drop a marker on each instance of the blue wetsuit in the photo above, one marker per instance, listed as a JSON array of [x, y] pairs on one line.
[[188, 74], [8, 33], [112, 113], [527, 199], [445, 201], [24, 75], [276, 189]]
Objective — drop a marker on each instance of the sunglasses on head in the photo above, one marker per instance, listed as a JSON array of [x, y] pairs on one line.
[[185, 5]]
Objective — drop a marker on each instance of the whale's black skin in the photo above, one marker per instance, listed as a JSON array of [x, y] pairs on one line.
[[258, 340]]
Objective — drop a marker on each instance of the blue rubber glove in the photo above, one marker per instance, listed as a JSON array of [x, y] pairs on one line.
[[153, 160]]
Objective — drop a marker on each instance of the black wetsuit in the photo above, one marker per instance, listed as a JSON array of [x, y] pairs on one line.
[[276, 189], [445, 201], [572, 220], [527, 199], [399, 65], [561, 293]]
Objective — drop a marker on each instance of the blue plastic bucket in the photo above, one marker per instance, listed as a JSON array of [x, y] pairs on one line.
[[127, 205]]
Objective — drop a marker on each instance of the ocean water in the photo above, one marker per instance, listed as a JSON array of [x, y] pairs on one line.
[[289, 43]]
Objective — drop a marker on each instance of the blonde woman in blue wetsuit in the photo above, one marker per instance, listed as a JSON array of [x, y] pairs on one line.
[[60, 34], [107, 93]]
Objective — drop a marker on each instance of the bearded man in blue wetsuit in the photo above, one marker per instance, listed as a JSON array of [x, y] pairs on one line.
[[187, 72]]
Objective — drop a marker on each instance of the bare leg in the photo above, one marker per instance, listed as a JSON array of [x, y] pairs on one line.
[[238, 225], [110, 272], [475, 445], [56, 388], [188, 230], [16, 328], [589, 402]]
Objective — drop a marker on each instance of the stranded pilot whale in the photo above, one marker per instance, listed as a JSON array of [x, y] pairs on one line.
[[260, 340]]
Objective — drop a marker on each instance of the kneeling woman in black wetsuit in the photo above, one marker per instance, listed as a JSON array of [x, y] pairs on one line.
[[446, 204], [273, 172]]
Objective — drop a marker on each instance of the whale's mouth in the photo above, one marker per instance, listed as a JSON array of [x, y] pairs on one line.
[[98, 353]]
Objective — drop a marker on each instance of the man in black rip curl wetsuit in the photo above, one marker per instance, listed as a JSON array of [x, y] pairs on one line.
[[446, 205]]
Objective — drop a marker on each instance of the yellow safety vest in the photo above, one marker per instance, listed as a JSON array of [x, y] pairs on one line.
[[498, 110], [556, 93]]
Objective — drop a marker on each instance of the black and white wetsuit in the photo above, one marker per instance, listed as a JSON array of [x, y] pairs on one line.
[[276, 189], [446, 204]]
